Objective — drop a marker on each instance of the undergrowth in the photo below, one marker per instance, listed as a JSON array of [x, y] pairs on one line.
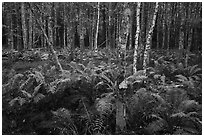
[[82, 99]]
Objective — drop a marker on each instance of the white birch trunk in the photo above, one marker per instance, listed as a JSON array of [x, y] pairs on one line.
[[136, 38], [149, 36], [97, 26]]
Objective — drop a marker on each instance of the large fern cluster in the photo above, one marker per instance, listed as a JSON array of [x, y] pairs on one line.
[[97, 90]]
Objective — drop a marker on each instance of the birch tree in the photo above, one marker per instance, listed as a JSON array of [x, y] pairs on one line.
[[149, 37], [97, 26], [120, 106], [136, 37]]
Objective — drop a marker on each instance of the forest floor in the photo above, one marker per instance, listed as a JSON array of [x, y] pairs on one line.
[[38, 99]]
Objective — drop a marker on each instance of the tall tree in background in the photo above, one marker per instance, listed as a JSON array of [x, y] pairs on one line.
[[149, 37], [181, 31], [168, 23], [136, 38], [24, 28], [30, 29], [50, 22], [49, 41], [10, 23], [174, 25], [97, 27], [190, 14]]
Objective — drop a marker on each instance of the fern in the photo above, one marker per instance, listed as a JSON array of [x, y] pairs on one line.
[[12, 83], [97, 126], [105, 105], [61, 123], [156, 126], [138, 77], [188, 105]]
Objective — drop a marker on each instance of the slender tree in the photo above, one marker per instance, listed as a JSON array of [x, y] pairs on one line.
[[24, 28], [163, 24], [49, 41], [30, 29], [149, 37], [136, 37], [168, 23], [10, 31], [97, 27], [181, 31]]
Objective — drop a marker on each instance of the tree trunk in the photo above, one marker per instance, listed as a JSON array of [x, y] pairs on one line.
[[10, 31], [30, 40], [24, 28], [149, 37], [143, 30], [120, 116], [181, 31], [168, 18], [136, 38], [164, 26], [50, 24], [49, 43], [120, 107], [92, 32], [191, 14], [97, 27], [18, 28], [65, 26], [55, 26]]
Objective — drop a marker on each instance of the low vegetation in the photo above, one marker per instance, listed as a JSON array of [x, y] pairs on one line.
[[83, 99]]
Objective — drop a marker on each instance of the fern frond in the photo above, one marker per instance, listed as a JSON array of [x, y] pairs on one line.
[[15, 80], [105, 105], [159, 98], [188, 105], [156, 126], [63, 113], [194, 69], [39, 77], [186, 131], [106, 78], [181, 78], [38, 97], [16, 100]]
